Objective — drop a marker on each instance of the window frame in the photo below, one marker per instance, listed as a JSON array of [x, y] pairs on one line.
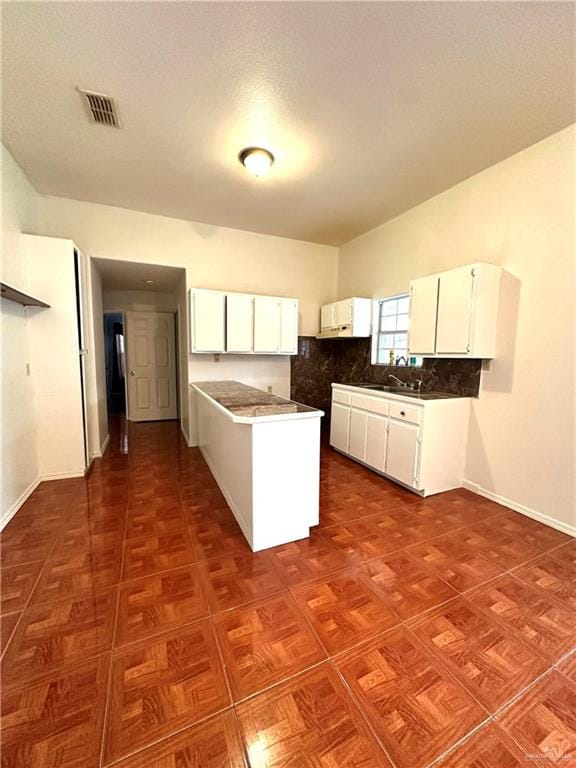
[[377, 332]]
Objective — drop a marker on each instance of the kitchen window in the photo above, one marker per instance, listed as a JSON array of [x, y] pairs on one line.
[[390, 342]]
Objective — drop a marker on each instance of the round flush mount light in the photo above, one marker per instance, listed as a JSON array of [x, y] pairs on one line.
[[149, 282], [256, 160]]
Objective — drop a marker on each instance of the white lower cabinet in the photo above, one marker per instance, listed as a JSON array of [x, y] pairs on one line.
[[340, 427], [357, 438], [419, 443], [376, 441], [402, 451]]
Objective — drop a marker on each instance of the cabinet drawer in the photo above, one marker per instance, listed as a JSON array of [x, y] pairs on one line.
[[341, 396], [404, 412], [372, 404]]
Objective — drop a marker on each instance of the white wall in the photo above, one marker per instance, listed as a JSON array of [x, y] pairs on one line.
[[139, 301], [520, 214], [19, 464]]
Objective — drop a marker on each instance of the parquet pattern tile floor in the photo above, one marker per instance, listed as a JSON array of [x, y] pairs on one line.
[[138, 629]]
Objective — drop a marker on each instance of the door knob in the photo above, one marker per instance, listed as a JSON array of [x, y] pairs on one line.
[[132, 373]]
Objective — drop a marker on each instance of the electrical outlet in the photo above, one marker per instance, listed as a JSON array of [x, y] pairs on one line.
[[269, 388], [27, 369]]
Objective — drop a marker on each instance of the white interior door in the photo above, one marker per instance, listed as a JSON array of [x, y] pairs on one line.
[[266, 324], [402, 451], [239, 322], [454, 312], [422, 322], [151, 358], [288, 327]]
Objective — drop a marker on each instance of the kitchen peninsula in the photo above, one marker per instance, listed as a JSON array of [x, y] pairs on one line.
[[264, 452]]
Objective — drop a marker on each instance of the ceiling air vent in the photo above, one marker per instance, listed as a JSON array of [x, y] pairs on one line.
[[101, 109]]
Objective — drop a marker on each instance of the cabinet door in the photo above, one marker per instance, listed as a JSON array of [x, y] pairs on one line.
[[376, 438], [327, 319], [357, 437], [344, 312], [208, 315], [266, 324], [402, 451], [288, 327], [454, 312], [422, 319], [239, 314], [340, 427]]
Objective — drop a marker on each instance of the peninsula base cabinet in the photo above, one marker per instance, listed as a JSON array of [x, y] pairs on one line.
[[418, 443]]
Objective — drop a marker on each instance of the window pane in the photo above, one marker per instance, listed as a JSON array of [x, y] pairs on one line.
[[400, 341], [403, 305], [386, 341], [388, 323], [389, 307], [402, 322]]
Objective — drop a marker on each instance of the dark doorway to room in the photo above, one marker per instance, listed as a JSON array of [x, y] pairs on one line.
[[115, 363]]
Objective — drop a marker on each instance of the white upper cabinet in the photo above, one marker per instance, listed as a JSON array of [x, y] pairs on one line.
[[454, 313], [422, 324], [288, 309], [266, 324], [346, 318], [239, 322], [207, 321]]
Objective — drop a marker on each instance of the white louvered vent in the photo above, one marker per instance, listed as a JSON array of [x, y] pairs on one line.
[[101, 109]]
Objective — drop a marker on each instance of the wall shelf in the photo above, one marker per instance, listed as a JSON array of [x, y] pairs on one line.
[[12, 294]]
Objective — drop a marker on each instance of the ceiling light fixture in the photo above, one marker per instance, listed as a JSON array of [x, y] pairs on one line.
[[149, 282], [257, 160]]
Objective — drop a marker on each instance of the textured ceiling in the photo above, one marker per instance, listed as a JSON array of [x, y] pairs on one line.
[[370, 108]]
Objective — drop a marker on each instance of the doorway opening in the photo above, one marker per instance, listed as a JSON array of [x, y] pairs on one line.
[[115, 363]]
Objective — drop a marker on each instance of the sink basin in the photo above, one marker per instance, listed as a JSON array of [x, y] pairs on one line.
[[386, 388]]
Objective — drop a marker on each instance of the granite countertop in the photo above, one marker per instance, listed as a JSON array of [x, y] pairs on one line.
[[248, 404], [401, 393]]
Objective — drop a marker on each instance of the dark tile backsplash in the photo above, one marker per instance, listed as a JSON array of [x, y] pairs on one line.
[[320, 362]]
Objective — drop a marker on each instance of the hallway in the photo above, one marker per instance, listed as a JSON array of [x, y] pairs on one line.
[[135, 616]]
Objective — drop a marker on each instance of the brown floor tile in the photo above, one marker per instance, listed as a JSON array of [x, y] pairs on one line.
[[405, 586], [196, 514], [214, 743], [151, 554], [20, 547], [490, 661], [7, 624], [308, 721], [507, 550], [359, 541], [489, 747], [75, 571], [542, 536], [455, 562], [344, 611], [58, 722], [568, 667], [551, 576], [543, 720], [541, 621], [212, 539], [162, 686], [237, 579], [461, 507], [566, 554], [264, 643], [153, 519], [403, 528], [48, 637], [160, 603], [417, 708], [306, 560], [17, 582]]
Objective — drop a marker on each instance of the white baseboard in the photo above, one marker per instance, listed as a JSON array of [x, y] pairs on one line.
[[105, 445], [62, 475], [539, 516], [18, 503], [186, 437]]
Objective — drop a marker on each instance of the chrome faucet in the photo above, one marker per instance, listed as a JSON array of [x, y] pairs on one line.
[[402, 383]]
